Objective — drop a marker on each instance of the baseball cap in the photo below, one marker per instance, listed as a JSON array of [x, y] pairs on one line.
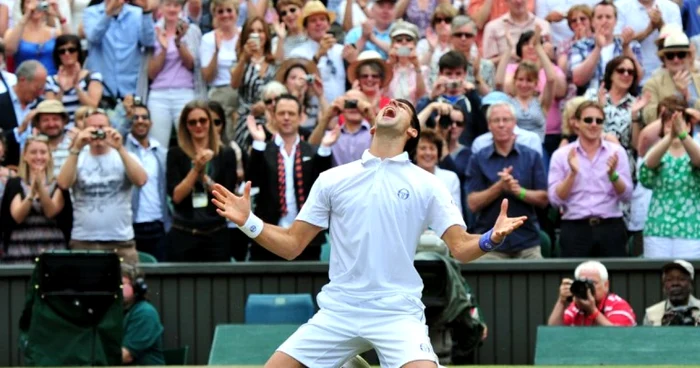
[[682, 265], [401, 27]]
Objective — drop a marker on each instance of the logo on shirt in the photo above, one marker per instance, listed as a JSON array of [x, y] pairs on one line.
[[425, 347], [252, 228], [403, 193]]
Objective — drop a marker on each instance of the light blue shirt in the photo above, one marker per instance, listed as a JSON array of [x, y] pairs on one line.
[[354, 35], [116, 45], [525, 137], [21, 113]]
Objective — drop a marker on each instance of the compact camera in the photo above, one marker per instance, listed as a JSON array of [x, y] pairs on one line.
[[453, 85], [403, 51], [350, 104], [99, 134], [43, 6], [310, 78]]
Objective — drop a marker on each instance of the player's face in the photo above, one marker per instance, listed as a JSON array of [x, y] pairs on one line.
[[396, 116]]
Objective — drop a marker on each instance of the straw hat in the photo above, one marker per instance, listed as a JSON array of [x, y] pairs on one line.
[[288, 64], [675, 41], [364, 58], [50, 107], [314, 7]]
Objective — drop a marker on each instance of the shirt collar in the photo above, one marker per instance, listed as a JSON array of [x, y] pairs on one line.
[[491, 150], [279, 142], [604, 145], [368, 157], [152, 144], [508, 19]]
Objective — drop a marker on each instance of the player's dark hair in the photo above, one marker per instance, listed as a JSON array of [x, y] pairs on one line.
[[412, 143]]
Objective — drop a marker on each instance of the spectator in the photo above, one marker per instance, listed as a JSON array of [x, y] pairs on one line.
[[52, 19], [588, 179], [50, 120], [325, 52], [678, 75], [32, 38], [517, 21], [198, 233], [174, 70], [485, 11], [451, 87], [600, 308], [507, 170], [589, 56], [295, 75], [355, 132], [427, 156], [371, 75], [292, 34], [198, 12], [437, 39], [569, 123], [669, 169], [677, 278], [690, 17], [374, 33], [17, 104], [36, 200], [73, 85], [284, 172], [142, 343], [352, 14], [579, 20], [646, 22], [408, 82], [480, 72], [564, 17], [117, 32], [149, 203], [101, 178], [417, 12], [5, 172], [269, 95], [256, 67]]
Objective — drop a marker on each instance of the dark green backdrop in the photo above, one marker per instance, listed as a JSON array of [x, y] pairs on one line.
[[515, 296]]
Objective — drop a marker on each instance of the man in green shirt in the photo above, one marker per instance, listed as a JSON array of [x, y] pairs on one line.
[[142, 343]]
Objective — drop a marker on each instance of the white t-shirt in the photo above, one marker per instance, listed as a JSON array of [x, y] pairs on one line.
[[330, 67], [358, 16], [226, 60], [102, 198], [377, 211]]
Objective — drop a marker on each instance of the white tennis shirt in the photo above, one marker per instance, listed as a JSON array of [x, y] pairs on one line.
[[377, 210]]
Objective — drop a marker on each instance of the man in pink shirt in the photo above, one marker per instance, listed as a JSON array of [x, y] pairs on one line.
[[588, 179], [484, 11], [517, 20]]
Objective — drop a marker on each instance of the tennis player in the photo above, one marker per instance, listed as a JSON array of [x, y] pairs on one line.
[[377, 208]]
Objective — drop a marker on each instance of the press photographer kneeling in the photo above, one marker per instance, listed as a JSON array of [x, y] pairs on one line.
[[587, 300]]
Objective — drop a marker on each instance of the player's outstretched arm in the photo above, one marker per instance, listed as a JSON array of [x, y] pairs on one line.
[[467, 247], [286, 243]]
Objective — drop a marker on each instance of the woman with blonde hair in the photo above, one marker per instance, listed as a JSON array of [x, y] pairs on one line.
[[198, 233], [36, 200]]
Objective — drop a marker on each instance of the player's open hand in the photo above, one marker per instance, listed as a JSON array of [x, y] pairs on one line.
[[504, 224], [234, 208]]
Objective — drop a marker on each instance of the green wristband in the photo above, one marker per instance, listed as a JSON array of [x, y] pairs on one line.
[[614, 177], [521, 195], [682, 135]]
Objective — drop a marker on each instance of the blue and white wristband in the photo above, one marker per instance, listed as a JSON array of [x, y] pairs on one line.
[[486, 244], [253, 226]]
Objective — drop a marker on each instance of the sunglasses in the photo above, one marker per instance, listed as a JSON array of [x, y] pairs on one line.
[[673, 55], [218, 122], [369, 76], [466, 35], [136, 117], [67, 50], [458, 123], [269, 101], [283, 13], [200, 121], [578, 20], [590, 120], [446, 20], [403, 39], [38, 138], [227, 10], [629, 72]]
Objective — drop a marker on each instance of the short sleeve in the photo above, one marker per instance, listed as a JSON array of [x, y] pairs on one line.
[[443, 212], [621, 314], [649, 177], [317, 208], [142, 330]]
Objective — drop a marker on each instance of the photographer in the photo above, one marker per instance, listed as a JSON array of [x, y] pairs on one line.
[[587, 301], [680, 308]]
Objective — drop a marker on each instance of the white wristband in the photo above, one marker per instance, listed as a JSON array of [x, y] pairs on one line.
[[253, 226]]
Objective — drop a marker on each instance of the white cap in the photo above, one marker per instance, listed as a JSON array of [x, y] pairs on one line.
[[682, 265]]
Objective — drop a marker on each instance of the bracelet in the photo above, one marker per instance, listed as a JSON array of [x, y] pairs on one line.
[[521, 195], [682, 135], [253, 226], [485, 243], [614, 176], [62, 20]]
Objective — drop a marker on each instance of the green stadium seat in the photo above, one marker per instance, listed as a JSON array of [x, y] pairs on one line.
[[279, 308], [247, 344], [545, 245], [177, 356], [147, 258]]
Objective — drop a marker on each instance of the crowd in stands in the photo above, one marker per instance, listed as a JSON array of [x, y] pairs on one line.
[[118, 117]]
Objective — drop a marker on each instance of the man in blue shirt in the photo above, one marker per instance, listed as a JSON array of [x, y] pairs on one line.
[[509, 170], [118, 34], [374, 33]]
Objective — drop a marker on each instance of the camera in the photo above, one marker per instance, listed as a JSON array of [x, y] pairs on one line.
[[138, 101], [43, 6], [453, 85], [681, 316], [403, 51], [350, 104], [445, 121], [99, 134], [310, 78], [579, 288]]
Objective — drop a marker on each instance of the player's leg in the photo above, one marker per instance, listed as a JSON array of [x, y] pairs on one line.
[[420, 364], [282, 360]]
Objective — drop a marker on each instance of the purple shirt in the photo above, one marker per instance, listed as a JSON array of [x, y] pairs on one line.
[[592, 194], [351, 146], [174, 74]]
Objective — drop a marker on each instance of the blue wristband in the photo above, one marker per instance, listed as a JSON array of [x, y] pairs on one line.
[[486, 244]]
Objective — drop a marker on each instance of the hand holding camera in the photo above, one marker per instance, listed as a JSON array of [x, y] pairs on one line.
[[583, 295], [565, 296], [112, 137]]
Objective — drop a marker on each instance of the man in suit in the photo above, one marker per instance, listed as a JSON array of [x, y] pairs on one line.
[[285, 171]]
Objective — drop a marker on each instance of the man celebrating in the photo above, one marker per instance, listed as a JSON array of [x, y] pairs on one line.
[[377, 208]]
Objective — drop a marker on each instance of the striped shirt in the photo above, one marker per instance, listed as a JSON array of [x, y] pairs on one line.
[[70, 98], [614, 308]]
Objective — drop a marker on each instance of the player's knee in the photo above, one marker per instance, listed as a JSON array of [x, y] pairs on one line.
[[282, 360]]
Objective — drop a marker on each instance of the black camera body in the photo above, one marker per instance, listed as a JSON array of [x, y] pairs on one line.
[[681, 316], [99, 134], [350, 104], [579, 288]]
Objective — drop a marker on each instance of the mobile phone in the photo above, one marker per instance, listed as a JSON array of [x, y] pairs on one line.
[[255, 37], [350, 104], [180, 26]]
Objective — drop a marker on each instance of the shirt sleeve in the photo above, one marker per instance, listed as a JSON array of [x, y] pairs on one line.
[[557, 172], [490, 43], [623, 169], [621, 314], [142, 330], [206, 49], [443, 212], [317, 208]]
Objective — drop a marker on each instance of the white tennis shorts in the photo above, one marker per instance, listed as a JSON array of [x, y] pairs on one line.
[[394, 326]]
